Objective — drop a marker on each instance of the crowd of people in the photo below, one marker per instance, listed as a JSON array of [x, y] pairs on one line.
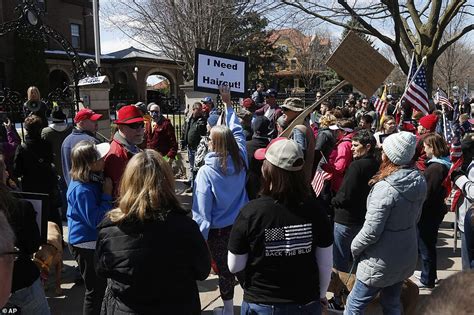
[[348, 189]]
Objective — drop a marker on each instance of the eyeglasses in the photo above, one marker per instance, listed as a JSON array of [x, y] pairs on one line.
[[15, 253], [136, 125]]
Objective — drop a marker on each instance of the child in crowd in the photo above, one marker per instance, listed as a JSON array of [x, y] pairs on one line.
[[89, 197]]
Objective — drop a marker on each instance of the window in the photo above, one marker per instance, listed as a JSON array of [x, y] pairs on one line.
[[293, 64], [76, 36]]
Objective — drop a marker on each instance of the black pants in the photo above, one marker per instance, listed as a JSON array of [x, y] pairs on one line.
[[427, 238], [95, 285], [218, 240]]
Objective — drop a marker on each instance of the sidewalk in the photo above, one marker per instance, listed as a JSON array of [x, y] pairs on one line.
[[71, 302]]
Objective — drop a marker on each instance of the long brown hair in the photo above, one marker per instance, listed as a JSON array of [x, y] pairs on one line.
[[7, 201], [83, 155], [146, 189], [223, 144], [286, 187], [439, 145], [387, 168]]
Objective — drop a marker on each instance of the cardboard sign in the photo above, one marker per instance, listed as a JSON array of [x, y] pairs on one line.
[[213, 69], [360, 64]]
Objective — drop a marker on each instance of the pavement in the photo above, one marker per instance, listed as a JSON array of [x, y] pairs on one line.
[[70, 303]]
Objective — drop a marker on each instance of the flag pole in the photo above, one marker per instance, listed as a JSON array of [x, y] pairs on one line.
[[423, 60]]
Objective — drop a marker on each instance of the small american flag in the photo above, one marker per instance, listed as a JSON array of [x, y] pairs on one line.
[[318, 180], [289, 239], [416, 94], [442, 98], [380, 104]]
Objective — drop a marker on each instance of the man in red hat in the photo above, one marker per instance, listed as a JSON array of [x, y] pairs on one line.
[[426, 126], [86, 121], [130, 133]]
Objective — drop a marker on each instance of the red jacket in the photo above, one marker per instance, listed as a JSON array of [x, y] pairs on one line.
[[115, 162], [161, 138], [339, 160]]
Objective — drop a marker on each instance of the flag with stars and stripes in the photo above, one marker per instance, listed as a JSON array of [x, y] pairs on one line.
[[442, 99], [289, 240], [416, 93], [380, 104]]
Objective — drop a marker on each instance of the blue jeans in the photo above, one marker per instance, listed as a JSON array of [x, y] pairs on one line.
[[343, 236], [465, 263], [362, 294], [31, 300], [191, 155], [312, 308]]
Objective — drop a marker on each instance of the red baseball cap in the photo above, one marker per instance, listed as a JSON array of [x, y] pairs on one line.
[[128, 115], [86, 113], [248, 102], [260, 153]]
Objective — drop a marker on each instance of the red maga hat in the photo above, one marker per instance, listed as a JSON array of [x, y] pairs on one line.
[[128, 115], [429, 122], [86, 113]]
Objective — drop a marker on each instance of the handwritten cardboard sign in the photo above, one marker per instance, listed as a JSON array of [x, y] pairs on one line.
[[213, 69], [360, 64]]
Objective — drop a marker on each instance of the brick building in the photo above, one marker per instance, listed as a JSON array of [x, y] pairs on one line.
[[127, 70]]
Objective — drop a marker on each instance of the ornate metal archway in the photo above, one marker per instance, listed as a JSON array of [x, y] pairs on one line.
[[29, 26]]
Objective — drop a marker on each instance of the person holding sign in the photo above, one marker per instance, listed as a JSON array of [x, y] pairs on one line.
[[219, 193]]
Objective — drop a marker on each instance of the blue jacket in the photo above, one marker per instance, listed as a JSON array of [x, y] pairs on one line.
[[66, 148], [86, 207], [218, 197]]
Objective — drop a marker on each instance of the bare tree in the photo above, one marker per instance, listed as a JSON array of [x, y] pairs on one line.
[[416, 26], [176, 27], [311, 54], [455, 63]]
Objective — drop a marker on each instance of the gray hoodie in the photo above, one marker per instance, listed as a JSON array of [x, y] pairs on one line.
[[386, 246]]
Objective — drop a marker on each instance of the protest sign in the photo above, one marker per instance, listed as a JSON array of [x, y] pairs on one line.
[[40, 203], [360, 64], [213, 69]]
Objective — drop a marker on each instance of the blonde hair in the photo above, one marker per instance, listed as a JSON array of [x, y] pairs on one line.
[[83, 155], [146, 189], [327, 120], [223, 144], [32, 89]]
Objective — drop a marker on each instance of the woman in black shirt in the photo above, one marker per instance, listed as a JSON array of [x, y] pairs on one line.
[[283, 240]]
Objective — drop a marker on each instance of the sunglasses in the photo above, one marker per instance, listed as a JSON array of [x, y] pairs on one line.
[[284, 109], [136, 125], [15, 253]]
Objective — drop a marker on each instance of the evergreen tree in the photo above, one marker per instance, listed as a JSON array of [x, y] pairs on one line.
[[353, 23]]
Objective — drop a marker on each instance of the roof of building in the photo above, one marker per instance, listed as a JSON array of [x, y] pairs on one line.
[[127, 53]]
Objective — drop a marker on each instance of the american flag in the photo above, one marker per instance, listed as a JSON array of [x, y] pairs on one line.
[[380, 104], [287, 239], [318, 180], [416, 94], [442, 98]]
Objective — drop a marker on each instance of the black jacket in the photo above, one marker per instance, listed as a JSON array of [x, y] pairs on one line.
[[350, 202], [194, 129], [34, 164], [22, 219], [152, 266], [255, 166], [434, 206]]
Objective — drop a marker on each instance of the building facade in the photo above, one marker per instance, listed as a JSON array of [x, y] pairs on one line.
[[127, 70]]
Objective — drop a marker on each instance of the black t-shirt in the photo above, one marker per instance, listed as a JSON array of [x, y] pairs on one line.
[[280, 243]]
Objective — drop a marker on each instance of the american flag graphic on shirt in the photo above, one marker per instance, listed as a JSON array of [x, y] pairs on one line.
[[289, 240]]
